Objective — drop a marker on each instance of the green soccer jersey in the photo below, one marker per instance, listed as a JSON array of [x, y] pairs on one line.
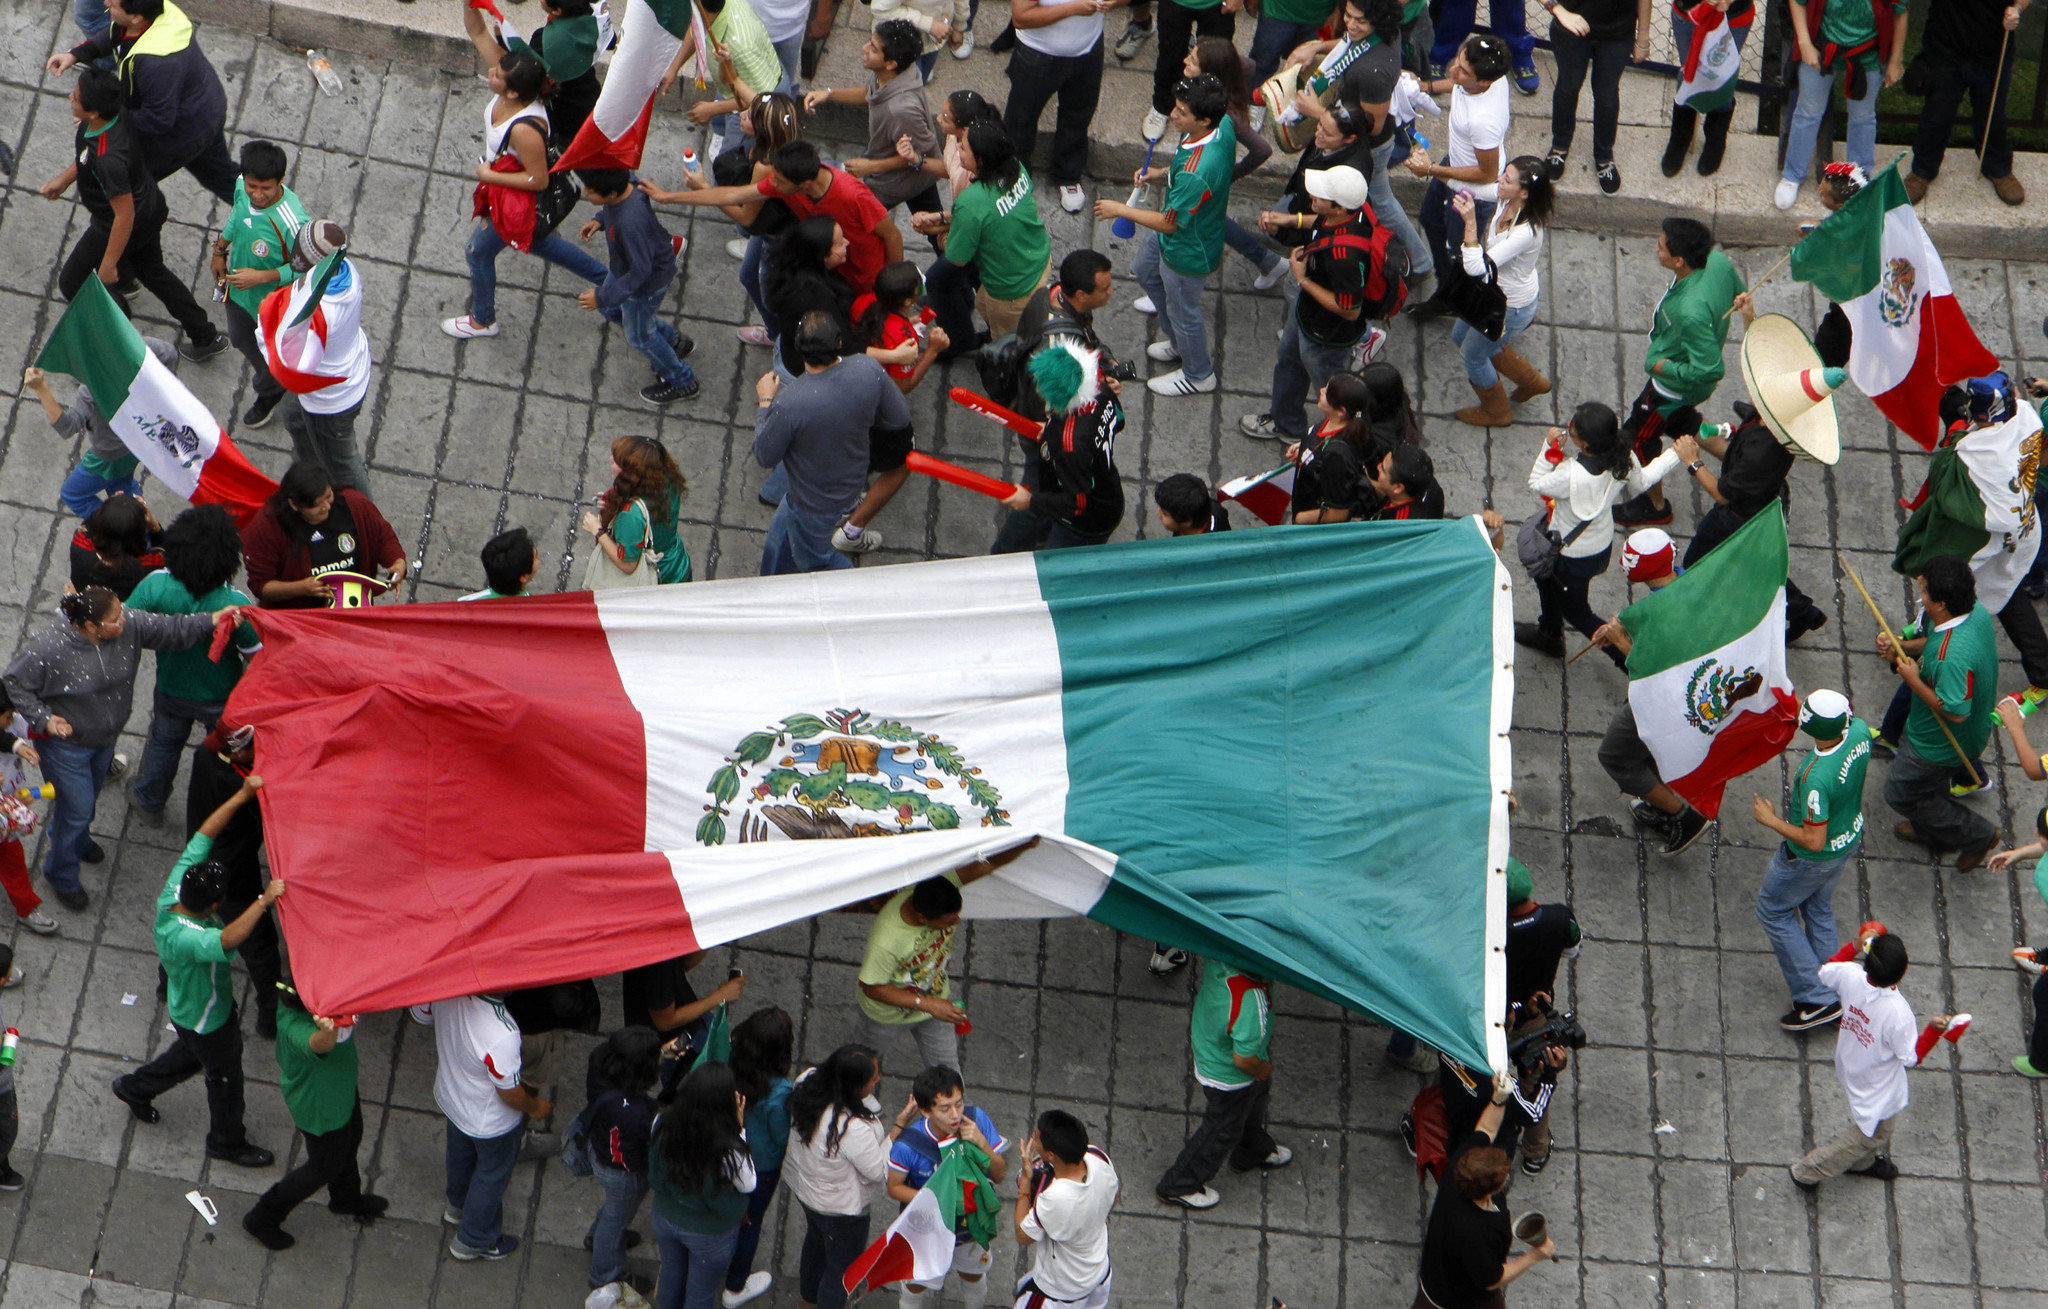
[[319, 1089], [199, 984], [1233, 1015], [1961, 664], [1829, 789], [1197, 195], [261, 239]]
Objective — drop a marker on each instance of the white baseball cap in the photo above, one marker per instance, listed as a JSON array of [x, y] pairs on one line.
[[1341, 185]]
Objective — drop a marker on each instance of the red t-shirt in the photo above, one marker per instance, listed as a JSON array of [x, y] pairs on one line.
[[850, 204], [896, 329]]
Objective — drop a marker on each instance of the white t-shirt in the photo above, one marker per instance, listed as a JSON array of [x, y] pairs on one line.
[[1069, 1221], [1478, 122], [478, 1045], [1875, 1046], [1068, 38], [783, 18]]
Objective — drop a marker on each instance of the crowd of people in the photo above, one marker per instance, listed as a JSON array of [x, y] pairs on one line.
[[852, 325]]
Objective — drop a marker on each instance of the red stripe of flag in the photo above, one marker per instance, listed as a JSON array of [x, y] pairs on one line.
[[1751, 741], [1948, 352]]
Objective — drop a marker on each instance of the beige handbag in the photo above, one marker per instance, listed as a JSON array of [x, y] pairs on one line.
[[601, 574]]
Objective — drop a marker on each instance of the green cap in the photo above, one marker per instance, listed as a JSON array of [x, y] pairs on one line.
[[1521, 885]]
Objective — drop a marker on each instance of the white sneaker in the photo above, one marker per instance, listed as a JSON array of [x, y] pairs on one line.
[[118, 767], [961, 51], [757, 1286], [1280, 1158], [1177, 383], [1268, 280], [1163, 351], [1167, 961], [737, 247], [1072, 198], [450, 1214], [1786, 195], [869, 539], [1258, 118], [1206, 1198], [466, 328], [40, 923], [1369, 347], [1155, 125], [1143, 304], [15, 977]]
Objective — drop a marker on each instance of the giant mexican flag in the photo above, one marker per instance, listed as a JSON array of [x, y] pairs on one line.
[[1980, 507], [160, 422], [1285, 749], [1706, 664], [1912, 341], [650, 33]]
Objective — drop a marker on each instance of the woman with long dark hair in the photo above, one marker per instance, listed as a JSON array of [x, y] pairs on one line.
[[838, 1165], [309, 528], [515, 136], [1584, 469], [802, 277], [617, 1124], [762, 1049], [1513, 240], [1329, 466], [702, 1174], [997, 252], [769, 123], [1390, 413], [117, 546], [638, 512]]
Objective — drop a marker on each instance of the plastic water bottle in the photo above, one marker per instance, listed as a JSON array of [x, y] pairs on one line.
[[323, 72], [9, 1048]]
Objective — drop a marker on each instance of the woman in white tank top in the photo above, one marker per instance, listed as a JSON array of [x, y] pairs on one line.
[[515, 127]]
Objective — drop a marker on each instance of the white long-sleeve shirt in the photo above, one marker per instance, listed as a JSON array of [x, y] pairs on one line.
[[1516, 252], [1584, 496], [842, 1181]]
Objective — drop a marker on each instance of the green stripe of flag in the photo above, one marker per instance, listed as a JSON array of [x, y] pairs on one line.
[[1722, 597], [1844, 256], [673, 15], [95, 343], [1231, 706]]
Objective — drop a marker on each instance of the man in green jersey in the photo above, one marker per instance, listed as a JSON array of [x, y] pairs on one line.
[[1186, 241], [197, 953], [1956, 679], [1796, 903], [252, 257], [1231, 1031]]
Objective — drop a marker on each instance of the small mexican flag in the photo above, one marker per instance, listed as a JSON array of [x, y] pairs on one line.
[[1709, 67], [1980, 507], [717, 1047], [919, 1244], [1706, 664], [1268, 495], [650, 33], [1912, 341], [160, 422]]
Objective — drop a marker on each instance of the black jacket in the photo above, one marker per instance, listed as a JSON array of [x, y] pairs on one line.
[[175, 100], [1078, 484]]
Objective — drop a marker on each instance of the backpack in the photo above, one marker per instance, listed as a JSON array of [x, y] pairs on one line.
[[1386, 265]]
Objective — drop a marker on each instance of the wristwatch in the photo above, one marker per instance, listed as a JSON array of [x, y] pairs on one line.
[[1695, 466]]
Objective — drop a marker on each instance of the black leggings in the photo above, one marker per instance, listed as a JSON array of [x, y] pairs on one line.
[[1607, 60], [1177, 25]]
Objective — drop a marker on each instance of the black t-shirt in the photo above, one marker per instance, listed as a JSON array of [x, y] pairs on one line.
[[111, 164], [665, 985], [1339, 261], [1369, 80], [335, 546], [1964, 31], [1327, 475], [1536, 943], [1465, 1247], [1609, 20], [1753, 471]]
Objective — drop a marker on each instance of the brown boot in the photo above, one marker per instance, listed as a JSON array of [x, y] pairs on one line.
[[1493, 410], [1529, 383], [1916, 187], [2008, 188]]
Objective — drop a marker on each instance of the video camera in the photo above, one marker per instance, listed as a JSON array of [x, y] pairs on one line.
[[1526, 1051]]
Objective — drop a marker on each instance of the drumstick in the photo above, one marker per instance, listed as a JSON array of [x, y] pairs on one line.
[[1900, 652]]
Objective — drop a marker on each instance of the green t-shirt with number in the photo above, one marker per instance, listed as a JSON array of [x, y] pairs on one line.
[[260, 239], [199, 985], [1828, 788], [1197, 195], [1961, 664]]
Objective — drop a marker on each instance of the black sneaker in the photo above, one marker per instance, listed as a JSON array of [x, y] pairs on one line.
[[1609, 177], [11, 1180], [1540, 639], [269, 1233], [244, 1155], [1685, 828], [1534, 1164], [92, 852], [683, 344], [1641, 512], [659, 393], [1882, 1168], [260, 413], [138, 1106], [201, 351], [1647, 814], [1804, 1017], [75, 901], [1812, 622], [367, 1208], [1553, 163], [1408, 1134]]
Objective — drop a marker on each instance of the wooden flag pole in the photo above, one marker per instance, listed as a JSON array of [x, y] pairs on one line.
[[1768, 275], [1997, 82], [1899, 651]]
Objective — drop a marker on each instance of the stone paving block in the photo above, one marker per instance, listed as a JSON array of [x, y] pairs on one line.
[[1852, 1223], [86, 1121], [31, 1287], [2010, 1251], [1770, 1222], [144, 1245], [1856, 1294], [1773, 1291], [61, 1225]]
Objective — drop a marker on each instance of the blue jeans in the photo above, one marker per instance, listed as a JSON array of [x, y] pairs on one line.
[[750, 277], [1478, 352], [651, 336], [78, 772], [831, 1243], [1271, 42], [1796, 905], [170, 726], [83, 488], [1179, 298], [1815, 90], [479, 1168], [91, 17], [482, 253], [800, 542], [1380, 191], [1437, 215], [787, 53], [623, 1192], [750, 1228], [1247, 243], [1300, 371], [693, 1265], [1454, 23]]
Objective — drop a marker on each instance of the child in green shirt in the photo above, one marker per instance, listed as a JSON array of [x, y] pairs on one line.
[[252, 258]]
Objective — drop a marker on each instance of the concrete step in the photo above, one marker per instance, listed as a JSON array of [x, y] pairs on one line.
[[1962, 213]]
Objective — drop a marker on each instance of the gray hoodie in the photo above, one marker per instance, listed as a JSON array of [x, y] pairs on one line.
[[91, 685]]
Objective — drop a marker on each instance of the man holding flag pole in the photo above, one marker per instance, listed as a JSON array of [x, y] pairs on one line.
[[313, 336]]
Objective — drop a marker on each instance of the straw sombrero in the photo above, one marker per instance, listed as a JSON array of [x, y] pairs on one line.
[[1792, 392]]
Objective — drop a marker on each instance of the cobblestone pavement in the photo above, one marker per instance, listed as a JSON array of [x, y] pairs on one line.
[[1675, 983]]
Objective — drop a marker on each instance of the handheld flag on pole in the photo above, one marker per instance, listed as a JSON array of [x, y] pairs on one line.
[[1269, 495]]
